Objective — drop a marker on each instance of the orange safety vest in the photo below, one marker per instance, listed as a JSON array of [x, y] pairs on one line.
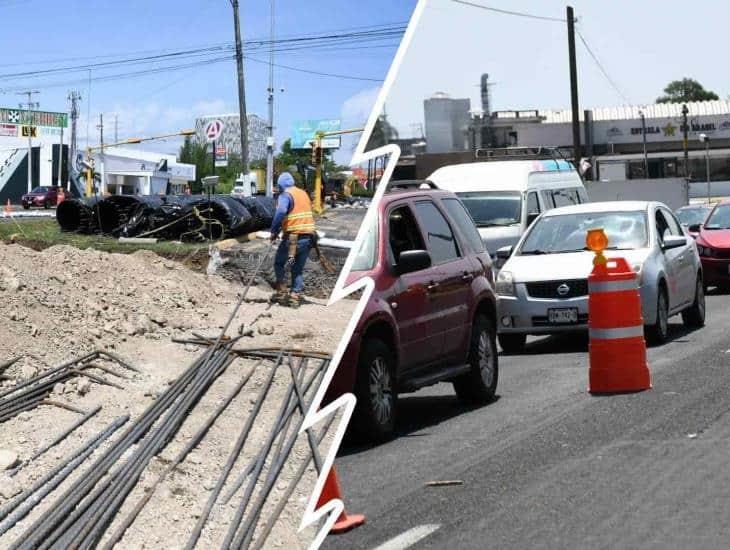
[[300, 220]]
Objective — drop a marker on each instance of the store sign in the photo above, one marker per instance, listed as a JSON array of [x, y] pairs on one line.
[[660, 130], [37, 118], [221, 155], [304, 132], [29, 131], [8, 130]]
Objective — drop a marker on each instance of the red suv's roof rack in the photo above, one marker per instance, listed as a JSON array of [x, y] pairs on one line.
[[407, 185]]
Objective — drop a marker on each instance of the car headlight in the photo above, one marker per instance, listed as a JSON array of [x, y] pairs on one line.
[[705, 251], [505, 284]]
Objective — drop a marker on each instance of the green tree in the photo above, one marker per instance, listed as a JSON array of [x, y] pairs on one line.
[[194, 152], [684, 91]]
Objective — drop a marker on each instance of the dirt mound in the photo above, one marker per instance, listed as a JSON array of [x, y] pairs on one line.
[[63, 302]]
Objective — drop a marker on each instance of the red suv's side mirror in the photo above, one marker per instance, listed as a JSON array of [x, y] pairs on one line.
[[695, 228], [413, 260]]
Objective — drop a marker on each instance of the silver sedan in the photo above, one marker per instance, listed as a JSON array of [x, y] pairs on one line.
[[543, 286]]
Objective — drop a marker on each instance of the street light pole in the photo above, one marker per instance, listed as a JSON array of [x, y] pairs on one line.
[[270, 137], [704, 138], [643, 134], [707, 168]]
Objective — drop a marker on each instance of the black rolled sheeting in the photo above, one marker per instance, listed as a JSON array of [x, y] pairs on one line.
[[76, 215], [261, 209], [167, 217]]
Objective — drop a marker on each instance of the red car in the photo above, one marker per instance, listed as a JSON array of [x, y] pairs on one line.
[[432, 315], [713, 244], [45, 196]]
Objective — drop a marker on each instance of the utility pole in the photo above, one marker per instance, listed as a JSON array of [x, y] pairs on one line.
[[116, 128], [685, 146], [74, 97], [29, 124], [270, 137], [573, 87], [60, 159], [643, 134], [243, 119], [101, 151]]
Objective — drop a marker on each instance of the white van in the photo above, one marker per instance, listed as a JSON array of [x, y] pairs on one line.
[[504, 197]]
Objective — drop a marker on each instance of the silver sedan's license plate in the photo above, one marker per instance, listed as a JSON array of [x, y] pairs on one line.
[[562, 316]]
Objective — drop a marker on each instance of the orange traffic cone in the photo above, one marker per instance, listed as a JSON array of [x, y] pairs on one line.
[[331, 490], [8, 209], [617, 350]]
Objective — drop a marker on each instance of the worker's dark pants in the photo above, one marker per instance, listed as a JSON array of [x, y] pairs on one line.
[[304, 245]]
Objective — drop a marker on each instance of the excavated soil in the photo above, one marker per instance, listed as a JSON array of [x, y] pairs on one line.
[[63, 302]]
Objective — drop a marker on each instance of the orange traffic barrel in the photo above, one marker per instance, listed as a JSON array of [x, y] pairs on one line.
[[617, 350], [330, 491]]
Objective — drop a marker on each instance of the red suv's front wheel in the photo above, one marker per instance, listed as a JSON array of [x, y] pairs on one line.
[[375, 390]]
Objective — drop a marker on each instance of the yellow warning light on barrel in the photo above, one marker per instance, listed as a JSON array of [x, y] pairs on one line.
[[597, 241]]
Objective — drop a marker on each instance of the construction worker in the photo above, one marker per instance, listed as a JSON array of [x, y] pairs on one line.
[[294, 218]]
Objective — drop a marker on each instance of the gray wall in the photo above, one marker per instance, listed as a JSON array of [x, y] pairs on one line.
[[446, 121], [670, 191]]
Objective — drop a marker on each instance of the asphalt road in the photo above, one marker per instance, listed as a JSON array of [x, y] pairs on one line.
[[546, 465]]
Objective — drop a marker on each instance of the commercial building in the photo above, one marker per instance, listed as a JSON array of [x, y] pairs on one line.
[[47, 140], [128, 171], [447, 123], [613, 140], [615, 137], [230, 138]]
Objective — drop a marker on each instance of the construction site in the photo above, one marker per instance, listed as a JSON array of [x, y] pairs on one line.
[[145, 404]]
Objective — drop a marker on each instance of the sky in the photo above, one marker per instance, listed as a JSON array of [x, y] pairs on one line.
[[51, 34], [642, 45]]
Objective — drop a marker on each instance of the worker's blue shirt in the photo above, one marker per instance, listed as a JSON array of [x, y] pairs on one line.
[[284, 204]]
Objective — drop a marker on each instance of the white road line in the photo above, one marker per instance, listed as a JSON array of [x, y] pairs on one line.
[[409, 538]]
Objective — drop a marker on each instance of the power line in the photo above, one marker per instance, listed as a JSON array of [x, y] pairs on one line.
[[510, 12], [600, 67], [287, 44], [318, 73]]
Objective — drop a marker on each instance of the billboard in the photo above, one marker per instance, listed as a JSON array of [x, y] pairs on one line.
[[303, 132]]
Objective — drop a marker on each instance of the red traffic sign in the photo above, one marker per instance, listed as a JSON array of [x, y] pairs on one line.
[[213, 130]]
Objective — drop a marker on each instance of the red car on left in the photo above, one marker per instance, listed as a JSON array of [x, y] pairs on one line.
[[45, 196], [713, 244]]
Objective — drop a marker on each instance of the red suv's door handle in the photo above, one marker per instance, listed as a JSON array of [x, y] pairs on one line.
[[467, 277], [432, 286]]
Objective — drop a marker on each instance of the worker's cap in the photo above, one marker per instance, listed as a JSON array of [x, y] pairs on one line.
[[285, 180]]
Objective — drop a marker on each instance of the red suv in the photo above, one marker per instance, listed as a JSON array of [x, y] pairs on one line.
[[432, 315], [45, 196]]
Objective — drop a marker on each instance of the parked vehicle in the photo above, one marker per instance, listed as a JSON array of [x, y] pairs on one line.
[[713, 243], [432, 314], [505, 196], [45, 196], [692, 215], [543, 286]]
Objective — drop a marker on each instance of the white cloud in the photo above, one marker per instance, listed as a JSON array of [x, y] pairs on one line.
[[354, 113], [356, 108], [147, 119]]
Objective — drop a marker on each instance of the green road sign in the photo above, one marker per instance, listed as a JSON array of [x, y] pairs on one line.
[[38, 118]]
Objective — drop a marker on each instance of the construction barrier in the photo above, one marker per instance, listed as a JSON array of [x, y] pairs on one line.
[[331, 491], [617, 350]]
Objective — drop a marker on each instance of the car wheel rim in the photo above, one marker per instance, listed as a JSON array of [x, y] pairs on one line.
[[663, 315], [486, 359], [381, 391]]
